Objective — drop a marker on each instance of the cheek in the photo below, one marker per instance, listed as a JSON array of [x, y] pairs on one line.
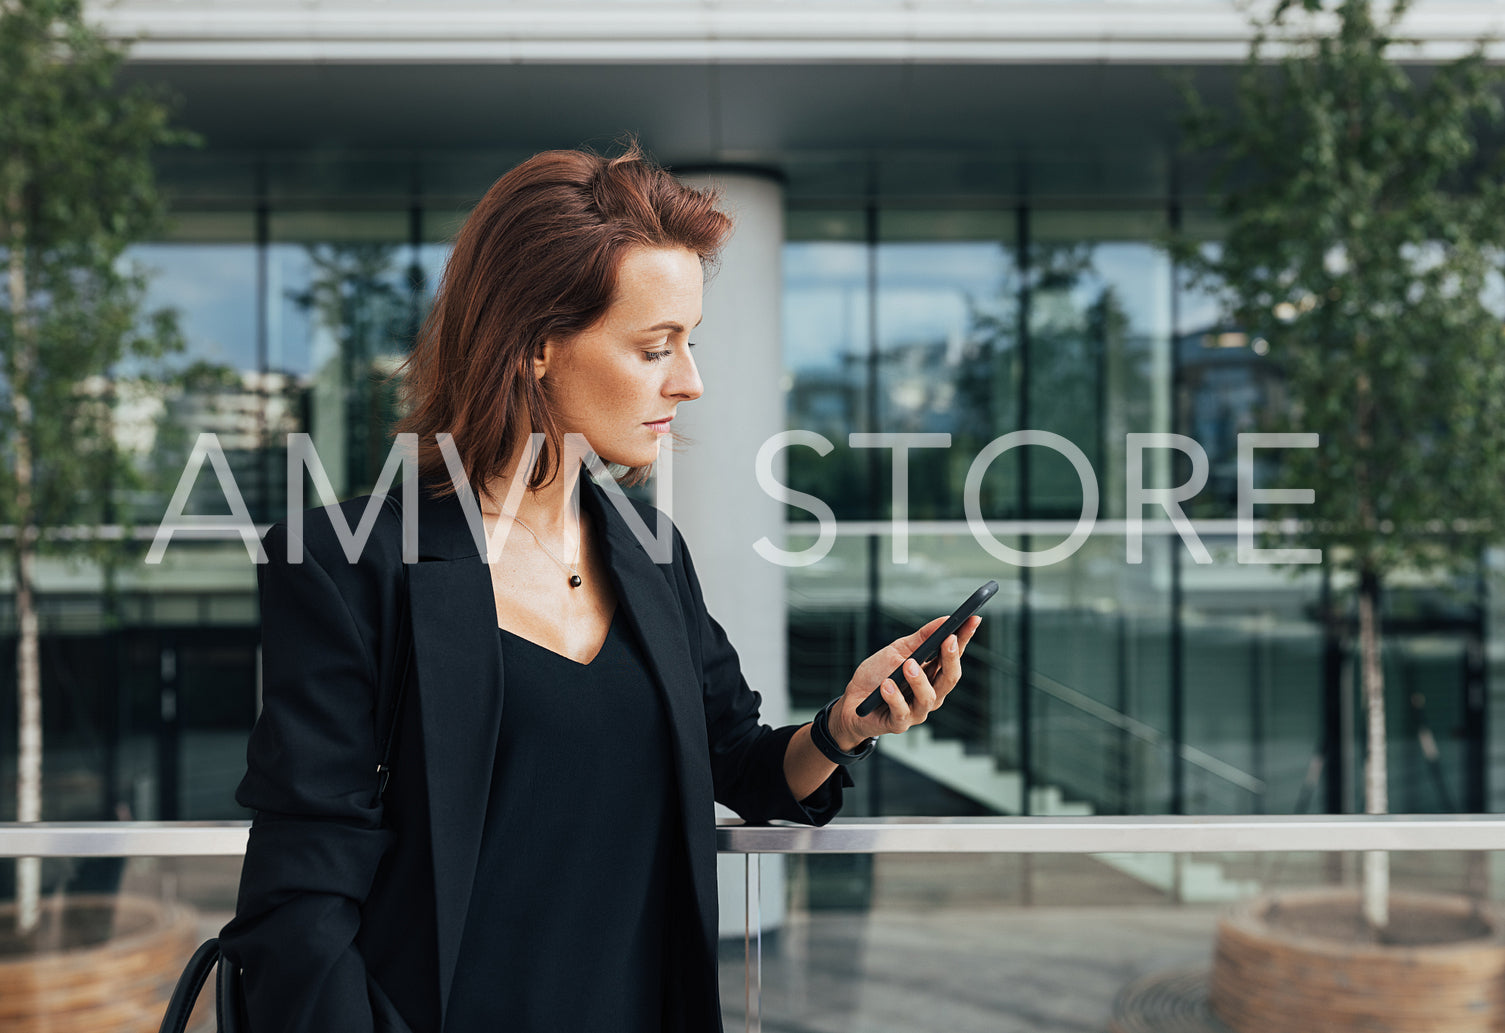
[[610, 386]]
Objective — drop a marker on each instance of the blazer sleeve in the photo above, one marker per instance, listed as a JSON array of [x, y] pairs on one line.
[[317, 835], [747, 756]]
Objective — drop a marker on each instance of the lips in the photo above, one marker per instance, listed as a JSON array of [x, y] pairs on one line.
[[659, 426]]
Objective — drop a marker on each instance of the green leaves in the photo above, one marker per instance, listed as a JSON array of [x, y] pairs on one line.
[[76, 188], [1359, 220]]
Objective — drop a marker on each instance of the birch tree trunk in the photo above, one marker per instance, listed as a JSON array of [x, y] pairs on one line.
[[28, 661], [1376, 786]]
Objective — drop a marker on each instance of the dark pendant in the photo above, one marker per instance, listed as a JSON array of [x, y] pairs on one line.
[[574, 580]]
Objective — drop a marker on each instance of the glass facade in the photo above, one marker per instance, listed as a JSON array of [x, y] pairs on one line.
[[1097, 686]]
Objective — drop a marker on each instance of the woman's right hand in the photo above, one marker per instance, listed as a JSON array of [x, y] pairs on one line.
[[929, 685]]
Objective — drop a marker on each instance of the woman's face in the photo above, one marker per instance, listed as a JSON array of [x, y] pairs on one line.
[[619, 382]]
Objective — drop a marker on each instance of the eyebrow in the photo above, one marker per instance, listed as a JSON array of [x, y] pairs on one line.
[[669, 325]]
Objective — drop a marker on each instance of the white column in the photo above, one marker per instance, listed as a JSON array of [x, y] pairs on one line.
[[717, 502]]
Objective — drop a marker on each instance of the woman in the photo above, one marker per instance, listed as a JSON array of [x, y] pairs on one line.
[[548, 863]]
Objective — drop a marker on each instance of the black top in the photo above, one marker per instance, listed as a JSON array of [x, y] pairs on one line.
[[577, 891]]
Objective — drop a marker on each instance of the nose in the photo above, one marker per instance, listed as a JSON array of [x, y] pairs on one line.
[[685, 384]]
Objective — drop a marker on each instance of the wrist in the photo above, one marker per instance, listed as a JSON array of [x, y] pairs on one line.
[[825, 739], [840, 734]]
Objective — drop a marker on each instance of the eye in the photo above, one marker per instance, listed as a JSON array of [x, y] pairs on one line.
[[656, 356]]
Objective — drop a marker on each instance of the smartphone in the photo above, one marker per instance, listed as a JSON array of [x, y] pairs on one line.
[[931, 648]]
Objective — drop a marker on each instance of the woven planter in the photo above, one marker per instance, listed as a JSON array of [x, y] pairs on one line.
[[1293, 962], [109, 966]]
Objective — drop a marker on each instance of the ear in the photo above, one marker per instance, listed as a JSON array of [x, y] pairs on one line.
[[542, 357]]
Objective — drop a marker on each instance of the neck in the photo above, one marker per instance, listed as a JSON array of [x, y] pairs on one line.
[[550, 509]]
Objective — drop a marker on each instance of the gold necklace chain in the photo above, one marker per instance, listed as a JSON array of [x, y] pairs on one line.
[[573, 568]]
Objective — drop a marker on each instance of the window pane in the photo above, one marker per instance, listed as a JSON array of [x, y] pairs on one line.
[[207, 273], [1227, 385], [826, 345], [341, 315], [947, 336], [1099, 350]]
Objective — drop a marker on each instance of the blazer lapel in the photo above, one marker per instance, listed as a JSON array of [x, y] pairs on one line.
[[458, 658], [654, 610]]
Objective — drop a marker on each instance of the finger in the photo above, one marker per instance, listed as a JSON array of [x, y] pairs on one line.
[[898, 707], [936, 667], [953, 660], [921, 689], [909, 643], [951, 667], [964, 635]]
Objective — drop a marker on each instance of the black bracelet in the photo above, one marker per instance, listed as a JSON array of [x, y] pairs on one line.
[[820, 735]]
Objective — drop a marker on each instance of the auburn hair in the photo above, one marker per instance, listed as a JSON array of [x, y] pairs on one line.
[[537, 258]]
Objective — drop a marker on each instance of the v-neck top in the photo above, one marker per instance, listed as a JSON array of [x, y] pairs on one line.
[[578, 897]]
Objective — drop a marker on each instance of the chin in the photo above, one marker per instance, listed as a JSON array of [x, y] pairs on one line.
[[630, 458]]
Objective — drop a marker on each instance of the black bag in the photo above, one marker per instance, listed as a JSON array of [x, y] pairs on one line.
[[229, 1000], [229, 993]]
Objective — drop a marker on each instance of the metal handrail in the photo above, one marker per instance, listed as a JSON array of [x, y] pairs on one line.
[[1211, 834]]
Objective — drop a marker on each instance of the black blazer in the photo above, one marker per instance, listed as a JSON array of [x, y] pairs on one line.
[[351, 906]]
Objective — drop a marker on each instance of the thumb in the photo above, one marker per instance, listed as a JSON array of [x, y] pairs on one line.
[[909, 643]]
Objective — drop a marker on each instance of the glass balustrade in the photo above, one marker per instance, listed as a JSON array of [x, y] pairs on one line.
[[1049, 925]]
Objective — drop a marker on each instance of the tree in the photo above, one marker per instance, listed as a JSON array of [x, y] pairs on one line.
[[76, 187], [1361, 231]]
